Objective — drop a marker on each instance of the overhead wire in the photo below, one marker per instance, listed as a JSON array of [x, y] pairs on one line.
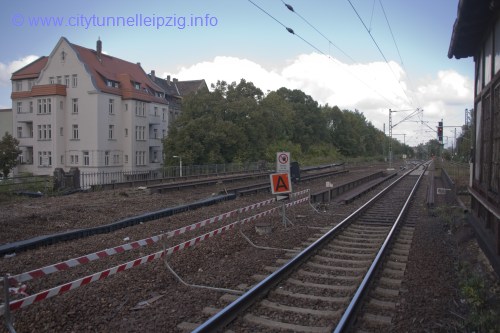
[[290, 8], [290, 30], [380, 51], [416, 112], [397, 49]]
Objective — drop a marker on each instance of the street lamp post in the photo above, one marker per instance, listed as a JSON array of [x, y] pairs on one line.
[[180, 164]]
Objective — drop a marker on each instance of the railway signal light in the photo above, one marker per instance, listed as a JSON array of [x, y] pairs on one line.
[[440, 131]]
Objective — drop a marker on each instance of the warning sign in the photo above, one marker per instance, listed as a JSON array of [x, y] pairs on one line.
[[283, 162], [280, 183]]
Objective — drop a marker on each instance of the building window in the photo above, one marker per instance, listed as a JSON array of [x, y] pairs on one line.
[[62, 159], [44, 105], [31, 106], [126, 106], [51, 80], [156, 111], [140, 158], [61, 105], [164, 114], [155, 133], [126, 159], [19, 85], [44, 132], [31, 83], [59, 80], [75, 132], [74, 102], [140, 133], [111, 106], [163, 133], [74, 159], [19, 107], [111, 132], [106, 158], [116, 159], [126, 132], [61, 131], [44, 158], [140, 109], [19, 132], [86, 158], [74, 80]]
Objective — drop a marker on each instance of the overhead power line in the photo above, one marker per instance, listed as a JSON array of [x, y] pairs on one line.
[[397, 49], [290, 30], [380, 50], [290, 8]]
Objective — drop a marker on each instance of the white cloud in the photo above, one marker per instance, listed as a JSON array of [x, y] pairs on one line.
[[372, 88], [6, 70], [232, 69]]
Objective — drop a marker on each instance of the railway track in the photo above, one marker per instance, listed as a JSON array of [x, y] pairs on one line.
[[321, 289], [253, 187], [116, 293]]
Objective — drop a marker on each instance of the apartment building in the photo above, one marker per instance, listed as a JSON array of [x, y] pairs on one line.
[[79, 107]]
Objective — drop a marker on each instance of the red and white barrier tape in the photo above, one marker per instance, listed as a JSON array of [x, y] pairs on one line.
[[24, 302], [64, 265]]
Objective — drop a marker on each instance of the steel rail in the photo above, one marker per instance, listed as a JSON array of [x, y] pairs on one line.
[[348, 316], [229, 313]]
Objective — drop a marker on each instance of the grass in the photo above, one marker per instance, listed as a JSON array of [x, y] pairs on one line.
[[480, 295], [479, 291]]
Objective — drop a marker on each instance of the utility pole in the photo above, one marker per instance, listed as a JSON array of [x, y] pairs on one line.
[[414, 113]]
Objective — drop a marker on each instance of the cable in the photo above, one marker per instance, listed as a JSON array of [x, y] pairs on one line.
[[379, 49], [290, 30], [397, 49], [290, 8]]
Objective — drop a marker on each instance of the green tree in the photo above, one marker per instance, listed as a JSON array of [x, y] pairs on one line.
[[9, 152]]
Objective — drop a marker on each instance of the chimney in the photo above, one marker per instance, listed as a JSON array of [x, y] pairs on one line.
[[99, 48], [168, 79], [153, 75], [175, 80]]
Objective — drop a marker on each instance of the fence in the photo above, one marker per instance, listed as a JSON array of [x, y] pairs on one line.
[[26, 184], [169, 173], [459, 173]]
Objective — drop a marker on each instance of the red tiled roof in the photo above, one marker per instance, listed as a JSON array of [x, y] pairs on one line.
[[106, 67], [103, 69], [30, 71], [41, 90]]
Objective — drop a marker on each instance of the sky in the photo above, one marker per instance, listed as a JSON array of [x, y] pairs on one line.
[[367, 55]]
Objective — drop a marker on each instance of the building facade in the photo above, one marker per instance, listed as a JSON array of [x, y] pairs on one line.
[[476, 33], [5, 122], [79, 107]]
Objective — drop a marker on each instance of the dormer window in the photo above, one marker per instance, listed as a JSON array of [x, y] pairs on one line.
[[137, 85], [112, 84]]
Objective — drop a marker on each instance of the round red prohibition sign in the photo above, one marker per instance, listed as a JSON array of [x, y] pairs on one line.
[[283, 158]]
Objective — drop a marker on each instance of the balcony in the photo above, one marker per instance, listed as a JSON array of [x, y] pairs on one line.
[[154, 142], [154, 119]]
